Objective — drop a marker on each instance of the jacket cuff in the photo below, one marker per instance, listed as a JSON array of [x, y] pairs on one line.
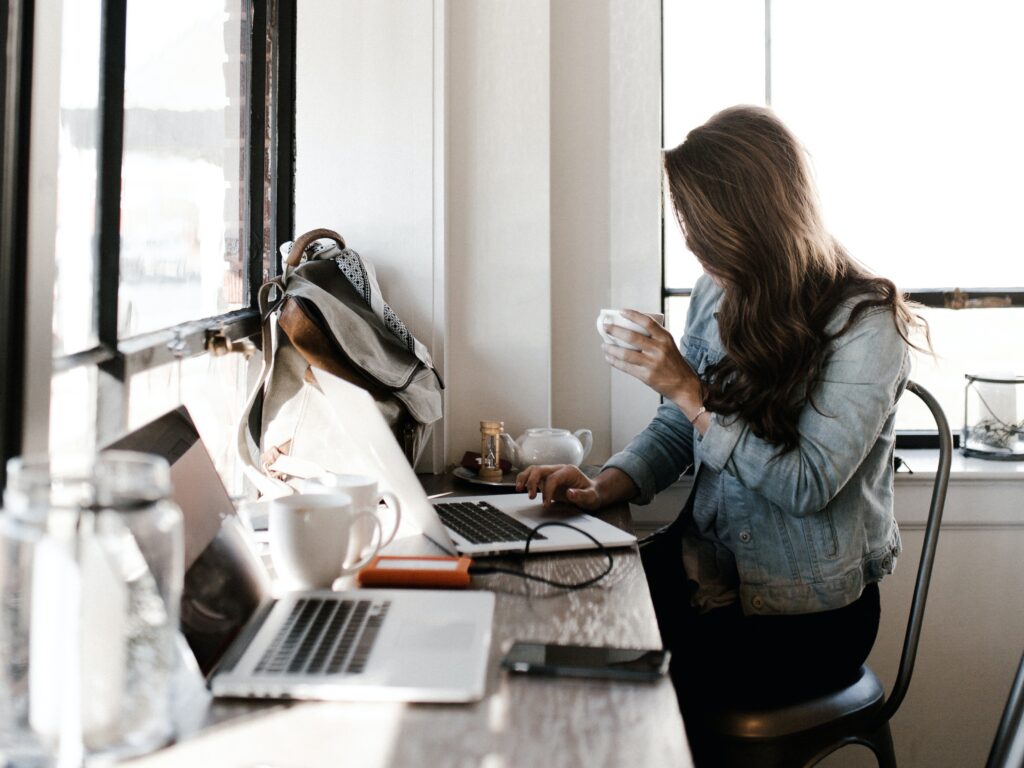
[[639, 472], [719, 442]]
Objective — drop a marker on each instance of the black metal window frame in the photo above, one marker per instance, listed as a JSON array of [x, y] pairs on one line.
[[273, 23], [933, 298], [16, 20]]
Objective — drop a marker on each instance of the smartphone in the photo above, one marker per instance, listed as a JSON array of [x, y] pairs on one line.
[[586, 661]]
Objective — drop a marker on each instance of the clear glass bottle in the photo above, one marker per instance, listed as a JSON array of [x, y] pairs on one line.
[[106, 588], [19, 536], [994, 417]]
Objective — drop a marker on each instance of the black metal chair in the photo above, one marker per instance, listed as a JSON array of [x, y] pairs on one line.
[[805, 732], [1008, 745]]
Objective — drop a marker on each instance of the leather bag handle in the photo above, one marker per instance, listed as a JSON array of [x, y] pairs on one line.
[[304, 241]]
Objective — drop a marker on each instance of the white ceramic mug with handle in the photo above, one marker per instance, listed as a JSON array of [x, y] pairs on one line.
[[311, 535], [366, 497]]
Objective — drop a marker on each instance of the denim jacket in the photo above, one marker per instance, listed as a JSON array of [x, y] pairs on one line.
[[812, 527]]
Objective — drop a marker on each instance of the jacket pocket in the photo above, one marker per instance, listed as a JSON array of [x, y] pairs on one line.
[[827, 540]]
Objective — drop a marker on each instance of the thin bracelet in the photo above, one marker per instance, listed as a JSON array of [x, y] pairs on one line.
[[700, 412]]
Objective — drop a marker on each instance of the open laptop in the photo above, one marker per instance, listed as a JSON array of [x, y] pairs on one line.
[[362, 442], [394, 645]]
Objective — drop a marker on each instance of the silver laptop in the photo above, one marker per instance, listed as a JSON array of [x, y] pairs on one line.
[[387, 645], [474, 525]]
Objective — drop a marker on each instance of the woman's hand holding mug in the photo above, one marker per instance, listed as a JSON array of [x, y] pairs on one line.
[[652, 356]]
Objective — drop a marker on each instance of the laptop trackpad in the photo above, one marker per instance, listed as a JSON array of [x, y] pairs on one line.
[[447, 637]]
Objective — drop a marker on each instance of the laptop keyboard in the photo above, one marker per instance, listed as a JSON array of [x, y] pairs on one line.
[[325, 637], [481, 523]]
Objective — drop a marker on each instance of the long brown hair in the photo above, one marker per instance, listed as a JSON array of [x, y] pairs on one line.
[[748, 209]]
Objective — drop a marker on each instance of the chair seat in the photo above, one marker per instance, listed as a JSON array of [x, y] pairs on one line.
[[860, 698]]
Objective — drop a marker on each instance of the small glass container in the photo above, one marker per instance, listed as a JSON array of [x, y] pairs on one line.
[[490, 450], [20, 534], [994, 417], [106, 584]]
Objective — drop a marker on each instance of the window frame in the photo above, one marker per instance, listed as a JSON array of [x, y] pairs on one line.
[[16, 22], [954, 299], [117, 360]]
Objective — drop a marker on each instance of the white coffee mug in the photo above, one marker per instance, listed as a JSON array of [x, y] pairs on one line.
[[310, 537], [365, 498], [615, 317]]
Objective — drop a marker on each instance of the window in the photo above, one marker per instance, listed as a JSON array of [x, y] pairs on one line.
[[174, 179], [912, 115]]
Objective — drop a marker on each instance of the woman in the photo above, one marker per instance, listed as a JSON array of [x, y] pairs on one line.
[[782, 395]]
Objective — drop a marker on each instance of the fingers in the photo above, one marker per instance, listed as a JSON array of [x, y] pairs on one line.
[[641, 372], [644, 321], [554, 482], [532, 479], [621, 353], [653, 334], [652, 327], [638, 340], [558, 482]]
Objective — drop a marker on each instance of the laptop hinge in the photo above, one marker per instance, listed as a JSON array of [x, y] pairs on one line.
[[241, 642]]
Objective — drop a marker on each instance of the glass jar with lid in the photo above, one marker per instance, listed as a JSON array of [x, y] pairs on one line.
[[994, 417], [106, 582], [20, 534]]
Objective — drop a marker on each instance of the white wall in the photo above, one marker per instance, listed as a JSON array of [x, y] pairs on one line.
[[635, 173], [498, 217], [553, 210], [365, 141], [544, 208]]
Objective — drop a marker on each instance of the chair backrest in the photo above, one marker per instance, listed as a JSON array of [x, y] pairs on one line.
[[1008, 745], [924, 568]]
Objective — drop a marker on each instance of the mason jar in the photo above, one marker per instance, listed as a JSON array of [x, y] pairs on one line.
[[106, 588], [993, 417], [20, 534]]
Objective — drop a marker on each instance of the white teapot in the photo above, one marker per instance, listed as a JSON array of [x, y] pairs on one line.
[[544, 445]]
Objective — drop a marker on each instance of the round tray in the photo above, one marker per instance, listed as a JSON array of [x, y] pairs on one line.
[[508, 480]]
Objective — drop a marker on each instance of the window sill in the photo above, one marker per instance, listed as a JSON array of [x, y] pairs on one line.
[[924, 461], [982, 494]]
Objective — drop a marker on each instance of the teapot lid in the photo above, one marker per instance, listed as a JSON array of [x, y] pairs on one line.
[[546, 431]]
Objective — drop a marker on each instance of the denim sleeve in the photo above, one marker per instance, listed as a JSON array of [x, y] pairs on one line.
[[656, 457], [862, 378]]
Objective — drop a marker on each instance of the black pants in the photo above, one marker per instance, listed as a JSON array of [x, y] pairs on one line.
[[725, 658]]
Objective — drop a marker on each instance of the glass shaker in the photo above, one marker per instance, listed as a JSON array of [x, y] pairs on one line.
[[20, 533], [106, 588], [993, 417]]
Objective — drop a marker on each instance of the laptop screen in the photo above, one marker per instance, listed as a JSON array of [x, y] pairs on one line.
[[225, 579]]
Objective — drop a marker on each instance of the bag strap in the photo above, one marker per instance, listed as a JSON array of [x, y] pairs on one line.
[[302, 242], [246, 447]]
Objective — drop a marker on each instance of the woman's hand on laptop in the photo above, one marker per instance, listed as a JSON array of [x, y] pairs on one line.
[[565, 482], [559, 482]]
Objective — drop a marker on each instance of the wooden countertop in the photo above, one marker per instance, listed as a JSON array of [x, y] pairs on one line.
[[521, 722]]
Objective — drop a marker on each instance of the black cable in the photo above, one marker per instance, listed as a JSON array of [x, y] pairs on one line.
[[485, 569]]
